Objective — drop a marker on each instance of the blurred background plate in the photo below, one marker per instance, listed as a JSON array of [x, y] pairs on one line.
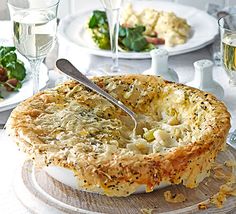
[[11, 99], [72, 30]]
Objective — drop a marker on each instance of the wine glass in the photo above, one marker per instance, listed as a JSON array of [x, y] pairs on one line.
[[227, 26], [34, 31], [112, 8]]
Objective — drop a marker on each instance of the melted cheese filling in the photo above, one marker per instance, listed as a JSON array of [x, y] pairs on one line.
[[82, 121]]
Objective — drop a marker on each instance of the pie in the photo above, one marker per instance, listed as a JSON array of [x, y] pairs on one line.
[[71, 126]]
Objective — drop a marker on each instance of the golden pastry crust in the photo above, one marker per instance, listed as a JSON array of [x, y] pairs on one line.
[[72, 127]]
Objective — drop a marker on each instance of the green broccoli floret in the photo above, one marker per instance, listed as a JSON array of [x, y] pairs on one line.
[[100, 30], [101, 39]]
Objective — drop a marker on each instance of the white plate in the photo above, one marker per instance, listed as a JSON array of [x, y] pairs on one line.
[[72, 30], [11, 99]]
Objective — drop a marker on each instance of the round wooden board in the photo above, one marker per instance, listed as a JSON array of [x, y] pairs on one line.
[[40, 193]]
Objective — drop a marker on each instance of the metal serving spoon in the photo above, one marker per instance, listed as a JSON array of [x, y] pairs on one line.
[[67, 68]]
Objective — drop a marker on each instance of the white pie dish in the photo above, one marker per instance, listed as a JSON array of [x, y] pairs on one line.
[[67, 177]]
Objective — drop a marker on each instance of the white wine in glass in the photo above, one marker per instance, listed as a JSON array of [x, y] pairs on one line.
[[34, 31]]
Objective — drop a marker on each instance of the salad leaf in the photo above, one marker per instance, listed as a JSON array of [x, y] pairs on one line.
[[149, 47], [122, 31], [5, 50], [12, 69], [17, 70], [8, 58], [98, 18], [133, 38]]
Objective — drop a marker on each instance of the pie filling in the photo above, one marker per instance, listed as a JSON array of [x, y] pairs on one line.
[[89, 123]]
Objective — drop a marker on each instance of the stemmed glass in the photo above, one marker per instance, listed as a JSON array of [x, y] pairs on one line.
[[227, 26], [34, 31], [112, 8]]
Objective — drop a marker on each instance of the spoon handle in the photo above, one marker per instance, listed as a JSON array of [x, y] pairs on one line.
[[67, 68]]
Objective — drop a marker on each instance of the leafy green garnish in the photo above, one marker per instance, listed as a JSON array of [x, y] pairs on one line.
[[5, 50], [149, 47], [98, 18], [17, 70], [130, 39], [133, 38], [12, 69], [8, 60]]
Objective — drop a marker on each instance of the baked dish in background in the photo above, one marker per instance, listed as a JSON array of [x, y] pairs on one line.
[[72, 127]]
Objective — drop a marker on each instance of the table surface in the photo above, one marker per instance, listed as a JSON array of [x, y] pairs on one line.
[[183, 64]]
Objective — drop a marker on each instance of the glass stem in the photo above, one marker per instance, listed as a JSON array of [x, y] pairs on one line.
[[35, 66], [113, 16]]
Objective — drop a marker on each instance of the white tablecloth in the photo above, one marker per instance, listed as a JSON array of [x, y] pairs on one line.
[[183, 64]]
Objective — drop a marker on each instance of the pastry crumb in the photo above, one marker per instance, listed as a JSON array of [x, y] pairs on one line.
[[174, 198], [230, 163], [202, 206], [146, 211], [225, 190]]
